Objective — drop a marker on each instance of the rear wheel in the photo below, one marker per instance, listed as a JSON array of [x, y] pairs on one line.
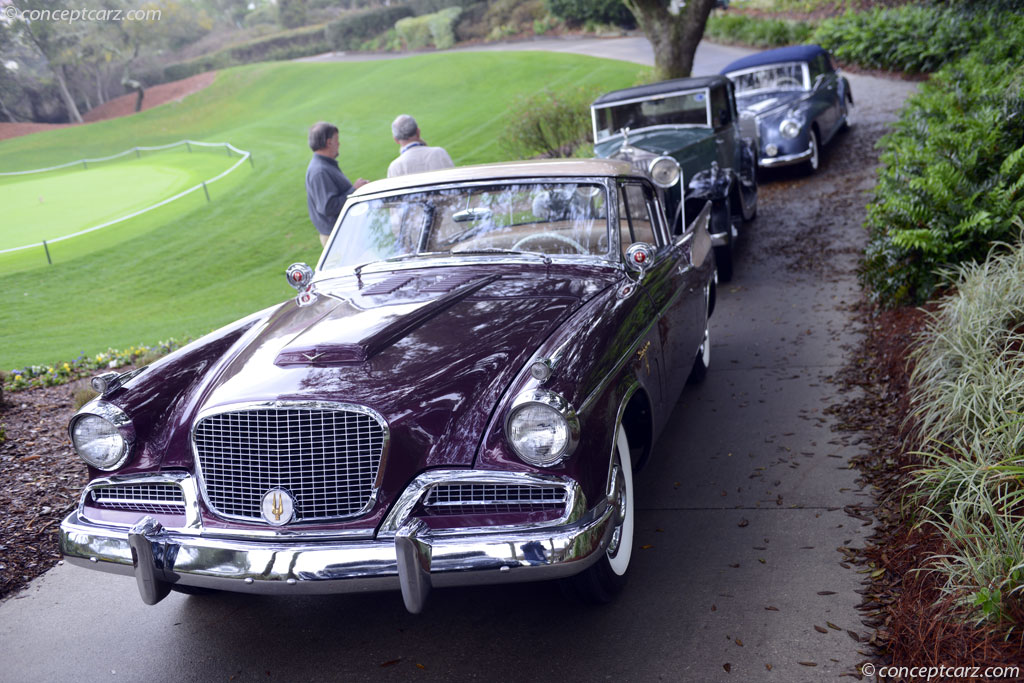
[[702, 362], [607, 577]]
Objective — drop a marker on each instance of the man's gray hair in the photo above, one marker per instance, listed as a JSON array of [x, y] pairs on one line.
[[320, 133], [404, 127]]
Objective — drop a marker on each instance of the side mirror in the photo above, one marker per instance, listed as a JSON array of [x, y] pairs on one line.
[[639, 256], [299, 275]]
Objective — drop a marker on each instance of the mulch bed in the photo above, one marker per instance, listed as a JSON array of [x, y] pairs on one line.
[[42, 478], [915, 624], [120, 106]]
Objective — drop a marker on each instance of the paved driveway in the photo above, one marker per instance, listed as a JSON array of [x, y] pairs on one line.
[[738, 575]]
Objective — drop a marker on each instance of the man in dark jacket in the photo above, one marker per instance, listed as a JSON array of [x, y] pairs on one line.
[[327, 188]]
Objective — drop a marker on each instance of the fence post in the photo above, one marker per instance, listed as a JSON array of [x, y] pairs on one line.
[[84, 164], [251, 162], [138, 154], [206, 191], [48, 260], [188, 146], [227, 149]]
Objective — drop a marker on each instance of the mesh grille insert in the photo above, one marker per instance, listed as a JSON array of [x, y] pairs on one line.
[[165, 498], [454, 499], [326, 459]]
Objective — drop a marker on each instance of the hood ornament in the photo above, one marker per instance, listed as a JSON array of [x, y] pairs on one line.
[[300, 276]]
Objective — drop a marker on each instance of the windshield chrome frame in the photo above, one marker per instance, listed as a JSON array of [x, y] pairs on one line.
[[804, 71], [648, 98], [610, 258]]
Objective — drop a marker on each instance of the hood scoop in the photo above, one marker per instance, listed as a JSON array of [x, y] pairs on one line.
[[324, 344]]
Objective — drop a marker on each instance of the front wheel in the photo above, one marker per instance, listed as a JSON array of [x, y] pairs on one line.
[[721, 224], [815, 160], [606, 578]]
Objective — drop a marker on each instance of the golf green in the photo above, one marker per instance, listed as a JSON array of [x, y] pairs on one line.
[[53, 204]]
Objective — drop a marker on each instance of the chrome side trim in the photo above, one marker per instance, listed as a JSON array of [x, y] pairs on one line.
[[626, 357], [401, 511]]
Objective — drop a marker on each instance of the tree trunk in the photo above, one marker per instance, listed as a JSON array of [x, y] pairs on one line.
[[100, 76], [69, 102], [7, 112], [673, 33]]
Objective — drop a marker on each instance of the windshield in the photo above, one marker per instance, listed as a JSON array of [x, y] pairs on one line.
[[565, 219], [687, 109], [774, 77]]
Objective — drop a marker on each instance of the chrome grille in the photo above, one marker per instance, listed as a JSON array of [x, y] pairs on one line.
[[457, 499], [326, 458], [158, 498]]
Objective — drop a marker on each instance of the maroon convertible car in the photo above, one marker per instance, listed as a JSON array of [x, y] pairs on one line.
[[459, 394]]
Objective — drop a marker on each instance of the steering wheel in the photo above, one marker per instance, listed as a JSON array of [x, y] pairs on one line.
[[789, 80], [580, 249]]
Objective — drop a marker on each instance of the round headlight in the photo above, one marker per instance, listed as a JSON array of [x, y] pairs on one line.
[[789, 128], [99, 442], [665, 171], [539, 434]]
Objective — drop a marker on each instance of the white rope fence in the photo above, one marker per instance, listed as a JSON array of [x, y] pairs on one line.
[[245, 156]]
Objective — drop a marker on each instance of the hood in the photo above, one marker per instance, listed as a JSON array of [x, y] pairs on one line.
[[660, 141], [761, 104], [431, 350]]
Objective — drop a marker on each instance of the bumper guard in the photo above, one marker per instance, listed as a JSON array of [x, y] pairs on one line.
[[414, 560]]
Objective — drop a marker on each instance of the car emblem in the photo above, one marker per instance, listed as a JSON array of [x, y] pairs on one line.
[[278, 507], [312, 356], [642, 355]]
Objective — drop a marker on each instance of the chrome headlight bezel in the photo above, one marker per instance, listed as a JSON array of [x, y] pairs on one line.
[[789, 128], [553, 405], [669, 167], [122, 427]]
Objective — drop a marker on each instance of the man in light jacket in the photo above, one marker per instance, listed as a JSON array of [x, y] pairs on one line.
[[414, 155]]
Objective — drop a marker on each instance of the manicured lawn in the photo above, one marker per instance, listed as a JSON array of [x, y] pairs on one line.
[[210, 263], [43, 206]]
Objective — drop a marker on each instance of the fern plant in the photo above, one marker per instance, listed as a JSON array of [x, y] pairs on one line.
[[952, 180]]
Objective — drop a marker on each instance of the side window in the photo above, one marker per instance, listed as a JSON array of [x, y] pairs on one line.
[[636, 219], [721, 111], [818, 66]]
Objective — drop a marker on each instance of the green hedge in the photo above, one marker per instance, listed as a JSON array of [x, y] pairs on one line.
[[302, 42], [744, 29], [953, 175], [910, 38], [437, 29], [348, 32], [549, 124], [580, 12]]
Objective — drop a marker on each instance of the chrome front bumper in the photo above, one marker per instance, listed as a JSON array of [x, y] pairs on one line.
[[789, 159], [412, 560]]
